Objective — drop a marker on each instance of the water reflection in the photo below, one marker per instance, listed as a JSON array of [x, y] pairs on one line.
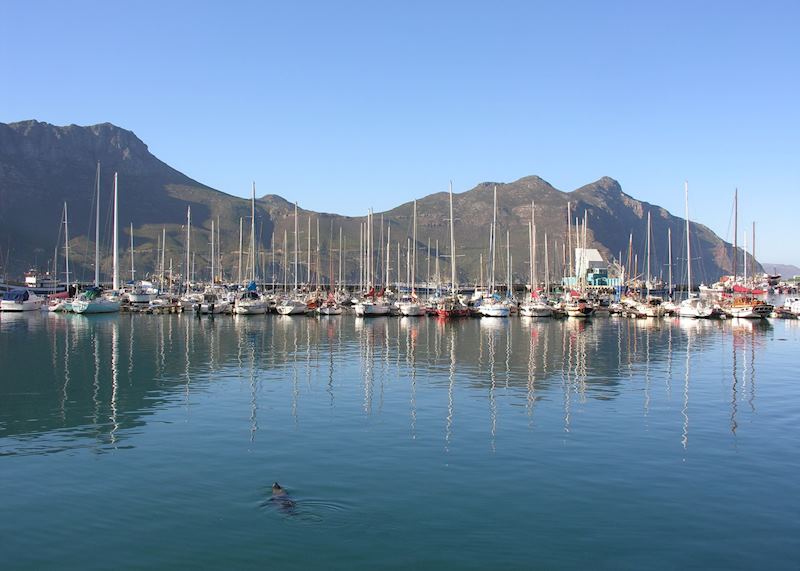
[[107, 375]]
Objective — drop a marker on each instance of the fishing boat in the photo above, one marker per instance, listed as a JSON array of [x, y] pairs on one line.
[[21, 300]]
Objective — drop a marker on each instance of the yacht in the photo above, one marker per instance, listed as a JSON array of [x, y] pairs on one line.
[[21, 300], [579, 307], [249, 302], [93, 301], [293, 306]]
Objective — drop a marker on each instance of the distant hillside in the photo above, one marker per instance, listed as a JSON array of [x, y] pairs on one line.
[[785, 270], [42, 165]]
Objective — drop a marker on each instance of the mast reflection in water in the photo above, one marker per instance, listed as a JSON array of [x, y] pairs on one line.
[[547, 425]]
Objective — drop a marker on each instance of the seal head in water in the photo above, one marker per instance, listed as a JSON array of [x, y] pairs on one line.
[[282, 499]]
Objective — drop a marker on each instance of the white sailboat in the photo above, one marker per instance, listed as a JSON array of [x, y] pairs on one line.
[[372, 305], [492, 306], [580, 306], [294, 305], [61, 302], [250, 302], [693, 307], [412, 307], [92, 300], [534, 306]]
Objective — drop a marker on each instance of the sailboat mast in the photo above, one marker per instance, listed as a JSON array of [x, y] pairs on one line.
[[97, 229], [308, 266], [188, 243], [530, 252], [736, 234], [414, 255], [66, 244], [493, 240], [508, 263], [339, 284], [241, 222], [669, 255], [380, 258], [115, 258], [285, 260], [389, 253], [546, 267], [163, 255], [272, 262], [688, 241], [296, 247], [253, 232], [745, 258], [133, 268], [753, 251], [647, 279], [212, 252], [452, 245], [569, 237]]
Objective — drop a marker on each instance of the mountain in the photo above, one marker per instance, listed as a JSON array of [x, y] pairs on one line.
[[43, 165]]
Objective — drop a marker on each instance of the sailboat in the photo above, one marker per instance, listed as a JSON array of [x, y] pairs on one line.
[[373, 303], [294, 305], [693, 307], [214, 299], [534, 306], [60, 301], [93, 300], [492, 306], [249, 302], [451, 305], [412, 307], [578, 305], [652, 305]]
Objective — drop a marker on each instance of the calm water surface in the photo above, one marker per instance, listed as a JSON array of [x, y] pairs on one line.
[[135, 441]]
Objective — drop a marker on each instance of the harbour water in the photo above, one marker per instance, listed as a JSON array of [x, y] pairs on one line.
[[139, 441]]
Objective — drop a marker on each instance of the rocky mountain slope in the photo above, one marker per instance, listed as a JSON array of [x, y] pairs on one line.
[[43, 165]]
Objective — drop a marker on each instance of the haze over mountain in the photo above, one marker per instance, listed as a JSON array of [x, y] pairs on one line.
[[43, 165]]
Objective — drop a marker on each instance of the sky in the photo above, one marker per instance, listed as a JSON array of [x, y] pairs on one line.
[[346, 105]]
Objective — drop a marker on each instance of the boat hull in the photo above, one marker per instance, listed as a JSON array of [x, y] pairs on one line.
[[29, 305], [372, 310], [95, 306], [412, 310], [495, 311], [259, 308]]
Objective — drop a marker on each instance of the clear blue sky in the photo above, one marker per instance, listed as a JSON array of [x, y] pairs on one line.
[[346, 105]]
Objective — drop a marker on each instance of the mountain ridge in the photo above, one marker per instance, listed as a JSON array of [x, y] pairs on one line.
[[42, 165]]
